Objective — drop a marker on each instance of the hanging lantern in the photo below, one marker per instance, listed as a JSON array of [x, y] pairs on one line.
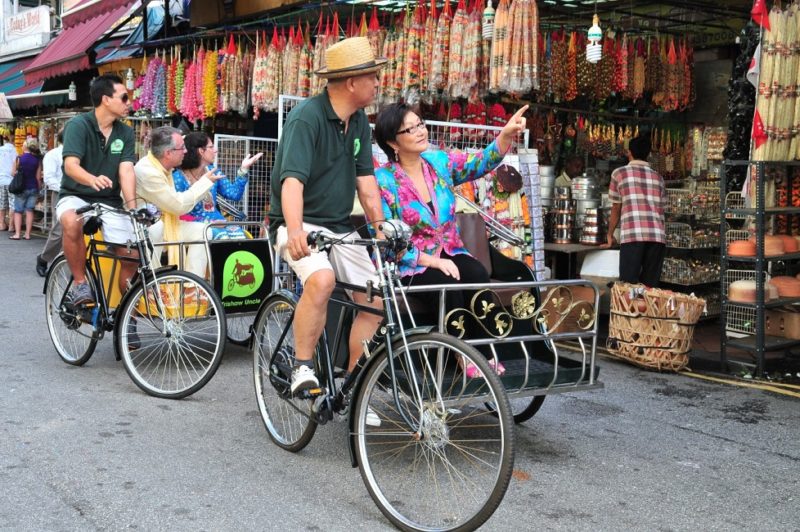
[[487, 29], [594, 50]]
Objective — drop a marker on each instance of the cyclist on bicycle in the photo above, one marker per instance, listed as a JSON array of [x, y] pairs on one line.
[[323, 160], [98, 166]]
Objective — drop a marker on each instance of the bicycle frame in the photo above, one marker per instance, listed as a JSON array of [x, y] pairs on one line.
[[337, 400], [102, 315]]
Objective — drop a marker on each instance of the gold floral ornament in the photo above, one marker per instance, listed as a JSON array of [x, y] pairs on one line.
[[523, 305], [500, 324], [459, 326]]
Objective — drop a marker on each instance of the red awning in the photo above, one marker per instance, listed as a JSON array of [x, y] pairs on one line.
[[68, 52], [89, 9]]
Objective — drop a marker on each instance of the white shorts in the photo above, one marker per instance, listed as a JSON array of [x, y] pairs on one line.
[[117, 228], [351, 264]]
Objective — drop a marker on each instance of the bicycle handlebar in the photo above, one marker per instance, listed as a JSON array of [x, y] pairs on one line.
[[142, 216], [398, 235]]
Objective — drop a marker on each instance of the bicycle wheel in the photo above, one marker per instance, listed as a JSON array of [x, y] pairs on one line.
[[239, 328], [171, 348], [72, 333], [286, 419], [450, 469]]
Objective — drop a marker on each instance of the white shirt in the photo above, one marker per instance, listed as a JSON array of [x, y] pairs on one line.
[[51, 168], [8, 154]]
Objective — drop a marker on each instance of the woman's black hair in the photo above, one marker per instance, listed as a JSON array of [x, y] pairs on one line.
[[194, 141], [389, 120]]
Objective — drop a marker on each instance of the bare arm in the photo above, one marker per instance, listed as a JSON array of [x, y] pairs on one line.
[[39, 175], [370, 198], [616, 209], [127, 182], [292, 209]]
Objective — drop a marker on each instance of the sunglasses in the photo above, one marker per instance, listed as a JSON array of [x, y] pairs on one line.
[[124, 97], [412, 129]]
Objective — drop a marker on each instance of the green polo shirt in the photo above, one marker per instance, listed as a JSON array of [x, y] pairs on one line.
[[315, 149], [84, 140]]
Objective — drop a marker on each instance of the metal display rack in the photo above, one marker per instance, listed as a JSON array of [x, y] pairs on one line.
[[750, 317], [691, 265]]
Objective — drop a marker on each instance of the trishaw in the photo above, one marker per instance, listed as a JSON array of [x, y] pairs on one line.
[[434, 446]]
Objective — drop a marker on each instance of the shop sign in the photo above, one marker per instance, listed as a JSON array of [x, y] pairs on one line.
[[27, 30], [28, 22]]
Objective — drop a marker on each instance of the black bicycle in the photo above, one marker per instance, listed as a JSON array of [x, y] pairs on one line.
[[169, 327], [430, 453]]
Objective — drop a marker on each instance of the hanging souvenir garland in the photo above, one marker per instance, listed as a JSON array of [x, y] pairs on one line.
[[440, 63]]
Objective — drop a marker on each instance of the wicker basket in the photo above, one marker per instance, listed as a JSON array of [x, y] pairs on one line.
[[652, 328]]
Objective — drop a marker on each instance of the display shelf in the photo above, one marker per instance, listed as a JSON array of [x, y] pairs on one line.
[[771, 343], [750, 318], [688, 284], [767, 212], [775, 303], [768, 258], [684, 236]]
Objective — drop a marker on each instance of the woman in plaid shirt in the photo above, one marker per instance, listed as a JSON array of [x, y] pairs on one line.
[[637, 197]]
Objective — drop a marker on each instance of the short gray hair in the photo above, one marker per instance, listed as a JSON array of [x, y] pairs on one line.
[[161, 140]]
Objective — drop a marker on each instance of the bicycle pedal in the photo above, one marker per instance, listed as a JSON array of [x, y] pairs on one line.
[[315, 392]]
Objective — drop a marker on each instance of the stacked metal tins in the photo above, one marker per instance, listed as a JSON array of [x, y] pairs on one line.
[[586, 194], [563, 216], [547, 178], [590, 232]]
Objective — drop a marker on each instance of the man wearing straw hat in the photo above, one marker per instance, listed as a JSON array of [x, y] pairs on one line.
[[323, 159]]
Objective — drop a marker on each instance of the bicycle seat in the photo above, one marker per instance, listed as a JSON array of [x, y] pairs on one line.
[[92, 225]]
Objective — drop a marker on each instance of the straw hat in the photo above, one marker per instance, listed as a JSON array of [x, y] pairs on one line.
[[350, 57]]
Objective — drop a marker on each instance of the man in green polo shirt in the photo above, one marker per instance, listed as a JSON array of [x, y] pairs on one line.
[[98, 165], [324, 158]]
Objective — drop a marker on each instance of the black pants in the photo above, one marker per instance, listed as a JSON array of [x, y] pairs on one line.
[[471, 271], [641, 262]]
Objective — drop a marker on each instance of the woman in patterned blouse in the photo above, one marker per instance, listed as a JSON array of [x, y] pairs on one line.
[[417, 187], [199, 159]]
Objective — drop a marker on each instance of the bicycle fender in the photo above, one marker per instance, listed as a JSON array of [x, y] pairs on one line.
[[351, 420]]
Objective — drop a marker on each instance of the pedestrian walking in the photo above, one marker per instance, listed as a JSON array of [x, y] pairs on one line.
[[31, 163], [52, 174], [7, 157]]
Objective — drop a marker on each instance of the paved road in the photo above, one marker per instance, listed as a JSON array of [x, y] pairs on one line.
[[84, 449]]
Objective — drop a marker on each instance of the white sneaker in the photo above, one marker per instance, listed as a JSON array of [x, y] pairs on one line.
[[372, 418], [303, 378]]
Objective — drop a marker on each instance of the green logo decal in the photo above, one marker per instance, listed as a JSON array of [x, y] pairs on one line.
[[242, 275], [116, 146], [356, 147]]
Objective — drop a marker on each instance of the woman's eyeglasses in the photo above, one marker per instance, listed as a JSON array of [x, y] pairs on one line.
[[210, 147], [412, 129]]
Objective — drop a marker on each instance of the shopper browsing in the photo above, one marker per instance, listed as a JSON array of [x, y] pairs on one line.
[[637, 197]]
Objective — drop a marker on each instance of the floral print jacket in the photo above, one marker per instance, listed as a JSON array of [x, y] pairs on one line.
[[206, 209], [432, 230]]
